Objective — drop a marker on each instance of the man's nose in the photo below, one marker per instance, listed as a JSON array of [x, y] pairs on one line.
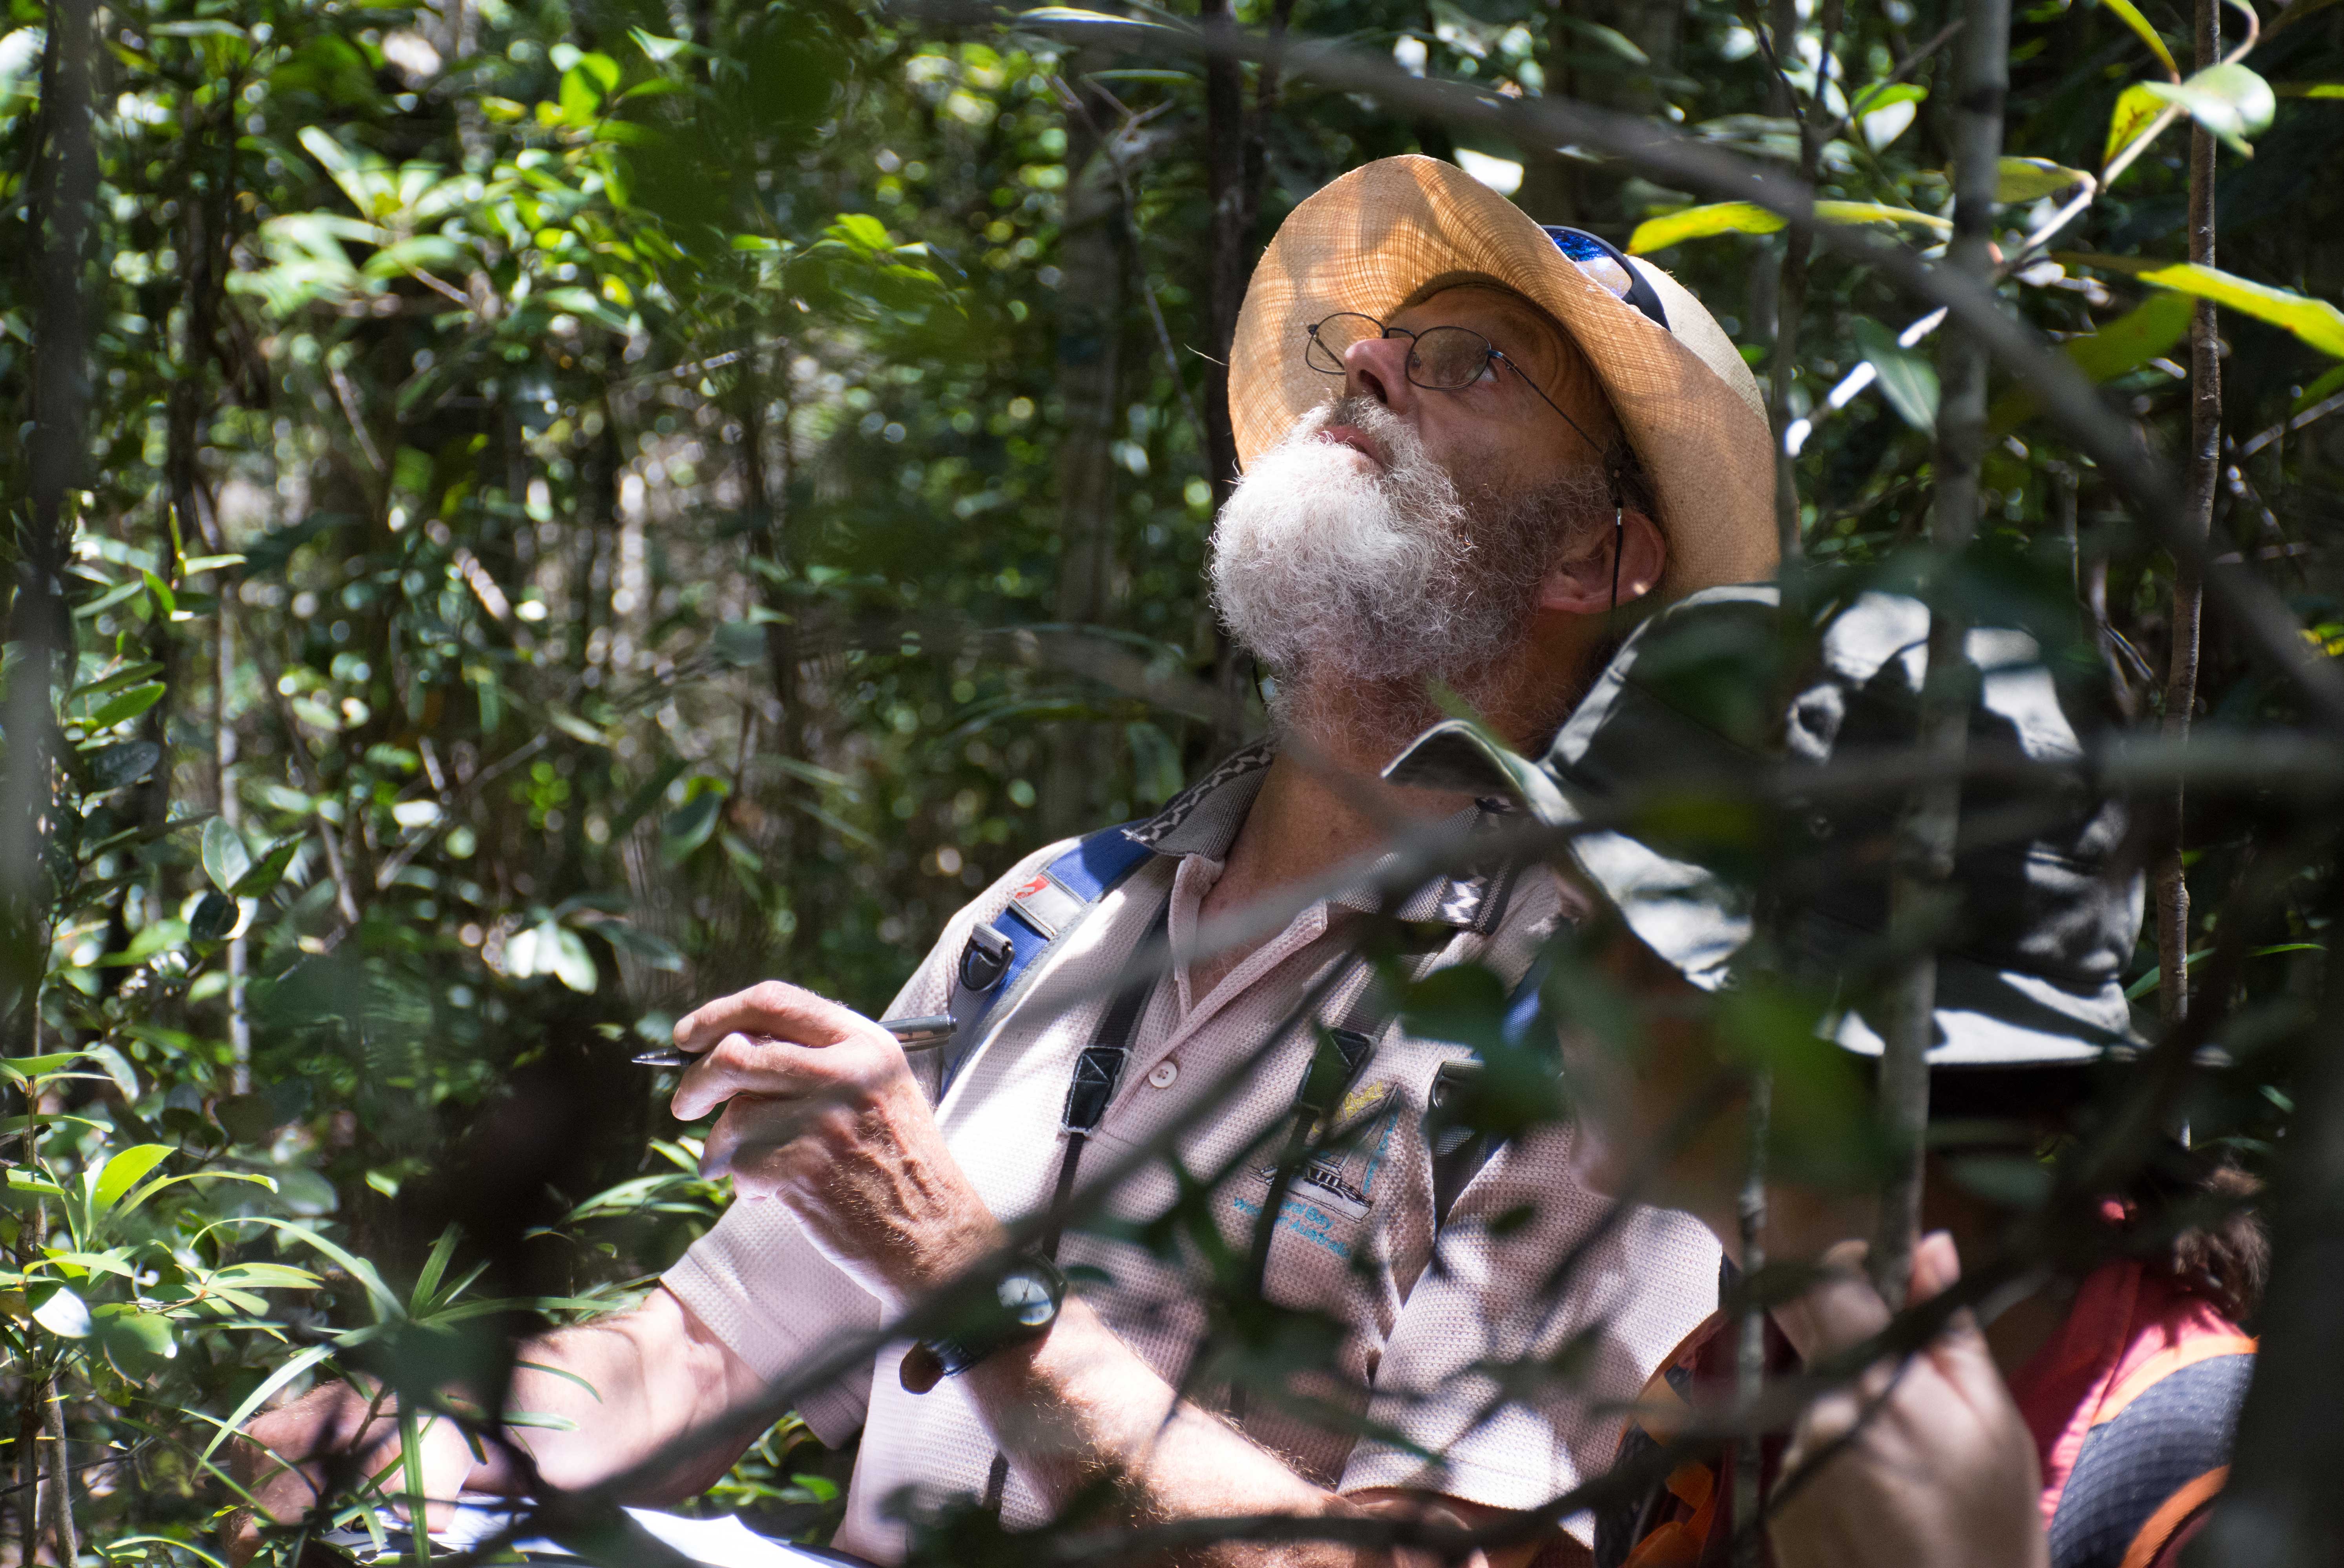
[[1377, 368]]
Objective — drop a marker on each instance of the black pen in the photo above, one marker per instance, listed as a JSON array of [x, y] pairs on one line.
[[915, 1033]]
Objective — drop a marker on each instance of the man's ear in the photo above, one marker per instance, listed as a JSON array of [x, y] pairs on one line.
[[1581, 585]]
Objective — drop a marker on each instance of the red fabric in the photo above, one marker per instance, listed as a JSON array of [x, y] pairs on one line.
[[2124, 1314]]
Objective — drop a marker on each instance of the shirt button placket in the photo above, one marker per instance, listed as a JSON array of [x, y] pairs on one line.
[[1164, 1074]]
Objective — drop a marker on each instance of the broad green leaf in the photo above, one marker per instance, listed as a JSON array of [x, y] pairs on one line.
[[118, 1067], [1907, 379], [128, 705], [214, 918], [2032, 179], [123, 1172], [134, 1336], [2316, 322], [2137, 109], [862, 230], [2230, 101], [2131, 339], [109, 767], [1700, 223], [2131, 17], [64, 1314], [226, 859]]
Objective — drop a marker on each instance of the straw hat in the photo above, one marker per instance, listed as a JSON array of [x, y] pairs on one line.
[[1372, 239]]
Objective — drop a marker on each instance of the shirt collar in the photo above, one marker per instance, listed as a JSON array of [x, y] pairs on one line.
[[1204, 819]]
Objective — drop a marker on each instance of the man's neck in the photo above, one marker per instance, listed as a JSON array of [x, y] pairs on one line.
[[1323, 802]]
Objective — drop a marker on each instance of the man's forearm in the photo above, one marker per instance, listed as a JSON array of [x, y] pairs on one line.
[[667, 1402], [1078, 1406]]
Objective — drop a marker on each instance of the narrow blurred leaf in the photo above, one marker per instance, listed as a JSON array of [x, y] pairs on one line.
[[2316, 322], [1907, 379], [2032, 179], [126, 706], [2319, 390], [2130, 15], [1700, 223]]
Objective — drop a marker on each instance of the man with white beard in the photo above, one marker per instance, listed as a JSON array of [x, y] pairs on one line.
[[1470, 442]]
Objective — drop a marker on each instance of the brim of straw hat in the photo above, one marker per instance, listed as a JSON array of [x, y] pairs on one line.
[[1375, 238]]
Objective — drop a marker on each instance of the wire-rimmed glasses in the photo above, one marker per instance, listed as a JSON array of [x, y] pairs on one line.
[[1439, 359]]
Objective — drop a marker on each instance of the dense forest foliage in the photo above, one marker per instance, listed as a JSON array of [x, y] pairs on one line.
[[527, 514]]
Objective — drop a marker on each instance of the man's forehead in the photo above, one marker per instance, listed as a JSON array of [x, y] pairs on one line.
[[1488, 295]]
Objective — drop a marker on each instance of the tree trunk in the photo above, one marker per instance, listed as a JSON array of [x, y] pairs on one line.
[[1090, 331], [64, 182], [1920, 890], [2188, 592]]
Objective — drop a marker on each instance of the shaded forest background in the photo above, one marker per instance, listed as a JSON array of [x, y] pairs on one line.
[[589, 505]]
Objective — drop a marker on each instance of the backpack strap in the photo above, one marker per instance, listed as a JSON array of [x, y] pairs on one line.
[[1458, 1148], [1041, 909]]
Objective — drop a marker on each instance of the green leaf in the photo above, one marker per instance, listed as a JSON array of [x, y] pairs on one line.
[[110, 767], [2032, 179], [266, 1277], [863, 231], [2131, 339], [263, 879], [1907, 379], [2310, 90], [128, 705], [226, 859], [1875, 212], [1749, 217], [64, 1314], [24, 1068], [552, 949], [1873, 100], [2230, 101], [2316, 322], [2319, 390], [123, 1172], [690, 825], [2137, 109], [135, 1339], [214, 918], [1700, 223], [2131, 17]]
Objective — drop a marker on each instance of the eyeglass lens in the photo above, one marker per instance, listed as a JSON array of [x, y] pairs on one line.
[[1440, 357]]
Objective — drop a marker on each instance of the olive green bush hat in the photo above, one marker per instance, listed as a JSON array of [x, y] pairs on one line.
[[1664, 752]]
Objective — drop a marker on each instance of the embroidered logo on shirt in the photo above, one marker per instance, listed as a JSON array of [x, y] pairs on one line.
[[1340, 1178]]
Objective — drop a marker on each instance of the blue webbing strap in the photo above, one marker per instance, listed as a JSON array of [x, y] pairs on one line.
[[999, 951]]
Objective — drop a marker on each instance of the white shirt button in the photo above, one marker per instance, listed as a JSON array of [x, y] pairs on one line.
[[1164, 1074]]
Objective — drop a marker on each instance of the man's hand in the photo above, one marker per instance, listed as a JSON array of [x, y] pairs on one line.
[[821, 1112], [1938, 1470]]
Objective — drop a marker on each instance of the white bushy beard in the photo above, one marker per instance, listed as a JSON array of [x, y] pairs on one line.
[[1358, 586]]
